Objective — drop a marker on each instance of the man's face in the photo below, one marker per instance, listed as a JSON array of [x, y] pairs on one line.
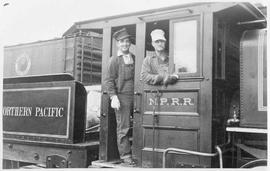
[[124, 45], [159, 45]]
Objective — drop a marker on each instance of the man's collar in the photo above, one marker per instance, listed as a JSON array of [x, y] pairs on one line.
[[155, 55]]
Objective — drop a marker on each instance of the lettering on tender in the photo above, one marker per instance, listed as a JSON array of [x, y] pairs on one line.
[[49, 111], [16, 111], [37, 112]]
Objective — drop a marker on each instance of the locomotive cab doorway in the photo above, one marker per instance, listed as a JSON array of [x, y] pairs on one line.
[[108, 140]]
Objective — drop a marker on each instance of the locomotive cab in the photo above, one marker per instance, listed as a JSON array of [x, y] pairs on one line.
[[203, 43]]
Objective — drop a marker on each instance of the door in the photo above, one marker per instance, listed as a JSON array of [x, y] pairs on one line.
[[177, 116]]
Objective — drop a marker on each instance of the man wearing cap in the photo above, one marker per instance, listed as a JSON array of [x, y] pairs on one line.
[[120, 86], [155, 69]]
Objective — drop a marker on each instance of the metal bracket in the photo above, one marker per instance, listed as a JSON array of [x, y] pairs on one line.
[[56, 161]]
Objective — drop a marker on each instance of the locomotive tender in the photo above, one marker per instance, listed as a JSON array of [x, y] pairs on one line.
[[217, 108]]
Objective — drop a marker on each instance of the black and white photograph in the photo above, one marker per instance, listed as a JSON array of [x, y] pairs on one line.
[[134, 84]]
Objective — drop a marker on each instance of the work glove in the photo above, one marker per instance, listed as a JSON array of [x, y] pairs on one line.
[[115, 103], [170, 79]]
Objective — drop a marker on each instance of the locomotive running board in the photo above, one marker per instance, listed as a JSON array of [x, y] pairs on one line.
[[109, 164]]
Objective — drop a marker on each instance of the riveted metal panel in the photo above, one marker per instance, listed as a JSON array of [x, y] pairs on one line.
[[253, 91]]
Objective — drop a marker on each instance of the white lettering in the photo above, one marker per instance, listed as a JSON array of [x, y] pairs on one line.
[[162, 101], [187, 100], [152, 102], [59, 112], [49, 112], [17, 111], [175, 102], [37, 111]]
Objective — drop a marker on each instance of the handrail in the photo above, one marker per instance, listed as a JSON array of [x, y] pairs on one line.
[[218, 152], [220, 156], [166, 151]]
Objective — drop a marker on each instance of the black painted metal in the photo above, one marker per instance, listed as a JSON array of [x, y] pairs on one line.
[[53, 111]]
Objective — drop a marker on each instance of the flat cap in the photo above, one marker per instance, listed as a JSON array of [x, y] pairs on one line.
[[121, 34]]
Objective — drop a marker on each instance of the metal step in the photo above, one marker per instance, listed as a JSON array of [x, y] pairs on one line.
[[109, 164], [37, 166]]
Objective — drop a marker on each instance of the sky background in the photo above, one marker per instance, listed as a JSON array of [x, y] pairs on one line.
[[24, 21], [32, 20]]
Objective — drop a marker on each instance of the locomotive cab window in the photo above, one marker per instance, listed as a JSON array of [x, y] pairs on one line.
[[182, 44], [185, 46]]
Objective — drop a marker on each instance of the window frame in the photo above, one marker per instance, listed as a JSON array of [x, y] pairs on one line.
[[199, 19]]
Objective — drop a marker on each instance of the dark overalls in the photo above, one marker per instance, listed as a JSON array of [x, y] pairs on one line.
[[120, 82]]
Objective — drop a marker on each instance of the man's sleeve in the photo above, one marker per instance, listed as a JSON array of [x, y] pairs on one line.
[[111, 76], [147, 75]]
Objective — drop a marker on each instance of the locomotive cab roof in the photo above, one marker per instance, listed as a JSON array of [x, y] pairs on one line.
[[235, 12]]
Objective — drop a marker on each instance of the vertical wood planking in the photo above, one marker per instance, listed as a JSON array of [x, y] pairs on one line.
[[140, 54], [206, 88], [106, 44]]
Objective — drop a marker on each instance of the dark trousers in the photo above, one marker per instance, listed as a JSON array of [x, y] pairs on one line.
[[123, 124]]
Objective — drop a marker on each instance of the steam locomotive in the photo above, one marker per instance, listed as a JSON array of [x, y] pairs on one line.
[[56, 111]]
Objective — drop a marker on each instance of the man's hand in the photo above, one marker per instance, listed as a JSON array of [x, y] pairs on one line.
[[170, 79], [158, 79], [115, 103]]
